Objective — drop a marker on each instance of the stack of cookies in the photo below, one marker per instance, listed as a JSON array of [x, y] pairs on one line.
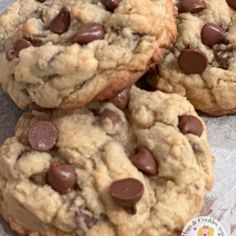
[[106, 146]]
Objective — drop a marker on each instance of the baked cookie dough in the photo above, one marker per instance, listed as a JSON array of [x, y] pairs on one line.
[[65, 53], [105, 171], [202, 63]]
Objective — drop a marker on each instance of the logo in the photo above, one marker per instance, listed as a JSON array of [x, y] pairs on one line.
[[203, 226]]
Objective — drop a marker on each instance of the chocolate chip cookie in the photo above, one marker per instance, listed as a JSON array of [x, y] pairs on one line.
[[202, 63], [67, 53], [103, 170]]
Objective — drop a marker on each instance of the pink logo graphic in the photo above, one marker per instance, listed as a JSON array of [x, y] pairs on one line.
[[205, 230]]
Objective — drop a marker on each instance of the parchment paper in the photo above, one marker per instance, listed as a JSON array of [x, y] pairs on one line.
[[219, 203]]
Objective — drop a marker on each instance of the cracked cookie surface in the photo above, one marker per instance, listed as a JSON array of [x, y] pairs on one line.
[[63, 172], [201, 65], [67, 53]]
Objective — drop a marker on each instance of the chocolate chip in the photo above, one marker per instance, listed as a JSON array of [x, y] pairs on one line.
[[61, 22], [41, 1], [192, 61], [88, 33], [15, 51], [20, 45], [190, 124], [146, 82], [127, 192], [109, 114], [61, 177], [196, 147], [36, 40], [111, 5], [121, 100], [212, 34], [144, 160], [42, 136], [223, 55], [88, 220], [232, 3], [11, 54], [192, 6], [131, 210]]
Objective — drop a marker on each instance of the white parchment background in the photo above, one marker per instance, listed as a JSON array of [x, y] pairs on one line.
[[220, 202]]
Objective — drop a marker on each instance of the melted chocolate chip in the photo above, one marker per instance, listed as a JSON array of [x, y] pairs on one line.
[[61, 22], [111, 5], [88, 33], [61, 177], [232, 3], [192, 6], [42, 136], [190, 124], [144, 160], [126, 193], [15, 51], [121, 100], [109, 114], [88, 220], [192, 61], [212, 34], [41, 1], [223, 55]]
